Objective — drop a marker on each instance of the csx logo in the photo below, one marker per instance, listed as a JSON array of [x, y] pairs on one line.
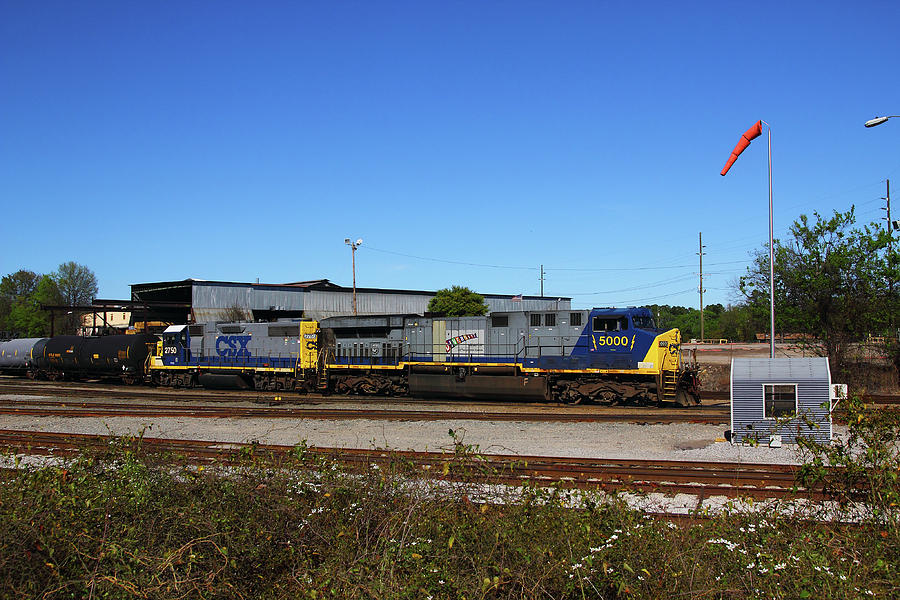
[[233, 346]]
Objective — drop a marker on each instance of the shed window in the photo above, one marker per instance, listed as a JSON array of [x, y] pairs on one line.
[[550, 319], [535, 320], [500, 321], [780, 400], [575, 319], [610, 324]]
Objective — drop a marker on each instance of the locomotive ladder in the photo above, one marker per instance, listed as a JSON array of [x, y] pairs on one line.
[[670, 384], [322, 370]]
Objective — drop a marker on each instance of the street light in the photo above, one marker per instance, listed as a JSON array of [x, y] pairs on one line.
[[879, 120], [353, 247]]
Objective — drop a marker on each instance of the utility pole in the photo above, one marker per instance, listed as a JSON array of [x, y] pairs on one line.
[[702, 337], [890, 231], [542, 281], [890, 224]]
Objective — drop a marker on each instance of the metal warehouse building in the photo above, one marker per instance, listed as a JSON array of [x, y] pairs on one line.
[[787, 397], [198, 301]]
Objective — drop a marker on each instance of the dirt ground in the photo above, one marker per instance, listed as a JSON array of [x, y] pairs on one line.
[[870, 375]]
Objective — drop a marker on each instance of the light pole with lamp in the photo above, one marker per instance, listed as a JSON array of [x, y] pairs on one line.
[[353, 247], [890, 224]]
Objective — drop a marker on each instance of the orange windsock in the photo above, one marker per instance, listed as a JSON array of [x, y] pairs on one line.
[[752, 133]]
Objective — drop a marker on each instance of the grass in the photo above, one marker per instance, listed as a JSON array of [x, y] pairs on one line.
[[126, 523]]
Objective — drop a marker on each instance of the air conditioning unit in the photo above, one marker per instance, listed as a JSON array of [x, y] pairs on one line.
[[838, 391]]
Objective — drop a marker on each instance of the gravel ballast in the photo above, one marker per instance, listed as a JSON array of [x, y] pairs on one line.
[[677, 441]]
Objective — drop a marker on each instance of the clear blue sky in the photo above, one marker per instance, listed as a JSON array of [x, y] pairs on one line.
[[465, 142]]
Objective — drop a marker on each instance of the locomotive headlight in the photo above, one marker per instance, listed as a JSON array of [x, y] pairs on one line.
[[663, 343]]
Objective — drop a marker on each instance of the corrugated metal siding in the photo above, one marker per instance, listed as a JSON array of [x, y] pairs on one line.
[[245, 296], [811, 375], [540, 304], [323, 304], [211, 300]]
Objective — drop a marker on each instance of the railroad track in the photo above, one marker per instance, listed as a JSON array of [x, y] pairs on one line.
[[702, 479], [182, 403], [15, 385], [85, 408]]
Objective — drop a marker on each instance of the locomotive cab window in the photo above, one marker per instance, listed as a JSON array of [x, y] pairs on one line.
[[603, 324], [535, 320], [500, 321], [550, 319], [642, 322], [575, 319], [780, 400]]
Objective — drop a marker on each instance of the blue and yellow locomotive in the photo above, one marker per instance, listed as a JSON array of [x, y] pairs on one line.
[[602, 355]]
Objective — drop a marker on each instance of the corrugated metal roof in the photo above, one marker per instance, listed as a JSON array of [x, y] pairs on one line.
[[771, 369]]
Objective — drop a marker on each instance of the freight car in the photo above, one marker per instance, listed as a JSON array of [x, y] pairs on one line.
[[598, 355], [74, 357], [15, 355]]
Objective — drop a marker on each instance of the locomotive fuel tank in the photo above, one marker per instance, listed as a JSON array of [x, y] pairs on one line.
[[479, 387]]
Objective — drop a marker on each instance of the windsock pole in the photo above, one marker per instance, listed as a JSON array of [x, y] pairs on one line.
[[771, 255], [751, 134]]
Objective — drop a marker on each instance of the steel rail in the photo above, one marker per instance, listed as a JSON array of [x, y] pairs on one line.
[[668, 477], [68, 408]]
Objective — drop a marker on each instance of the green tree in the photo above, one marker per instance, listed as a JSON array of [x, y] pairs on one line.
[[458, 301], [27, 318], [832, 280], [736, 324], [13, 288], [77, 286]]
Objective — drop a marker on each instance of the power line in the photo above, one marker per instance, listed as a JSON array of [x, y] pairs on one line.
[[453, 262], [637, 287], [524, 268], [644, 299]]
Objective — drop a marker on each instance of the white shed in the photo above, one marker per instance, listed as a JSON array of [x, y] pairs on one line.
[[786, 397]]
